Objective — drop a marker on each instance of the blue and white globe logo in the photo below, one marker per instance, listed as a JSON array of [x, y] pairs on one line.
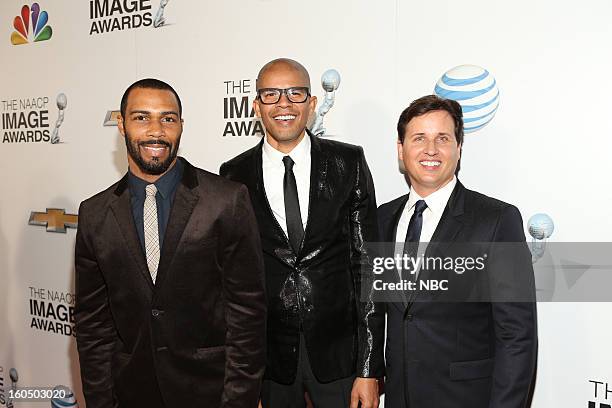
[[63, 398], [476, 91]]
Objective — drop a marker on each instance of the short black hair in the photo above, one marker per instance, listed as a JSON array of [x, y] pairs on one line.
[[427, 104], [149, 83]]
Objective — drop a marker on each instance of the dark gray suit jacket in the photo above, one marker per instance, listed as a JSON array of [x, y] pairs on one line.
[[475, 354]]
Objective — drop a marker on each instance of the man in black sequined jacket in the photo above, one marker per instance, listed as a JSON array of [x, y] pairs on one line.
[[315, 205]]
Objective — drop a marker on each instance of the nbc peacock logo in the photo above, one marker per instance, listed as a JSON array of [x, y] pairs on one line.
[[31, 25]]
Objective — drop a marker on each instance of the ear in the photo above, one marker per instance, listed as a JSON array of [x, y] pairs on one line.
[[400, 150], [120, 125], [256, 108], [312, 104]]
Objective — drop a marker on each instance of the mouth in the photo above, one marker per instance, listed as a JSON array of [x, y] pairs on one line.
[[285, 119], [430, 164], [155, 149]]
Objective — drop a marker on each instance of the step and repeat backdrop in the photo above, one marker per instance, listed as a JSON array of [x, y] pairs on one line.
[[533, 77]]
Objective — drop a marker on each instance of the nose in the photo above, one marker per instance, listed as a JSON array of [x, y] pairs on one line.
[[284, 100], [156, 129], [431, 148]]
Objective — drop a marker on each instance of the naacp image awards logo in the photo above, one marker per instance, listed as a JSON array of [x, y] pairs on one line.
[[118, 15]]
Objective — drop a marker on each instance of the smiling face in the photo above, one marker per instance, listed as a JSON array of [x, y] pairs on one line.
[[285, 121], [430, 152], [152, 129]]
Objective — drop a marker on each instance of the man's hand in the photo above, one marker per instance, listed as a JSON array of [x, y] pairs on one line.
[[366, 391]]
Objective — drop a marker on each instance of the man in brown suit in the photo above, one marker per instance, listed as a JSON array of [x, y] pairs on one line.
[[170, 305]]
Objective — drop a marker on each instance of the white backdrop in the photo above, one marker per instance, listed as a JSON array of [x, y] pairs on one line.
[[545, 150]]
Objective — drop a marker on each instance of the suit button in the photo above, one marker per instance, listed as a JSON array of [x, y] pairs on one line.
[[156, 312], [409, 317]]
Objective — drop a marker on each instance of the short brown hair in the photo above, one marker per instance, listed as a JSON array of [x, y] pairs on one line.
[[430, 103]]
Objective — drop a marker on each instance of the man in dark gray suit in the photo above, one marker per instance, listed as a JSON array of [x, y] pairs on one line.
[[442, 352]]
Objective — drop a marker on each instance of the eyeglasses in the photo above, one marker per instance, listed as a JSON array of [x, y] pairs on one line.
[[296, 94]]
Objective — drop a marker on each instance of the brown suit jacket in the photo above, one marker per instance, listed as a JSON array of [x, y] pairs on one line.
[[196, 337]]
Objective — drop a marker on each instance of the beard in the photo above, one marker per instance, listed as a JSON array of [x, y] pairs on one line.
[[155, 166]]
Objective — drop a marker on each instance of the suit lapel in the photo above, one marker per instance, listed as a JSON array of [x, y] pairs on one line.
[[448, 227], [185, 200], [122, 211], [451, 221], [392, 231], [318, 180], [264, 209], [392, 235]]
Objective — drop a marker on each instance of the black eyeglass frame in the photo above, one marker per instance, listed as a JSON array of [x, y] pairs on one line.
[[282, 91]]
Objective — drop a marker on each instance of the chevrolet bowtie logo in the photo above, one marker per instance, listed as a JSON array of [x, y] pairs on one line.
[[55, 219], [111, 118]]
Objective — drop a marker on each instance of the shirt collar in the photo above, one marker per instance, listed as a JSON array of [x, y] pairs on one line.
[[436, 201], [165, 184], [299, 154]]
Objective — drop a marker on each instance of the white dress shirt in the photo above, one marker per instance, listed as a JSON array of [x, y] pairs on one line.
[[436, 203], [274, 173]]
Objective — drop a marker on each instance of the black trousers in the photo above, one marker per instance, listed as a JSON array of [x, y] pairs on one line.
[[336, 394]]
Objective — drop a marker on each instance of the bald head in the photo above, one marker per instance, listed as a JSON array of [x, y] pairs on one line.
[[285, 63], [285, 121]]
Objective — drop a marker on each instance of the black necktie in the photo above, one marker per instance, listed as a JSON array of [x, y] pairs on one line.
[[295, 229], [413, 235]]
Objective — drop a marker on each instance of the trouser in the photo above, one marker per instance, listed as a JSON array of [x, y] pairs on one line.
[[336, 394]]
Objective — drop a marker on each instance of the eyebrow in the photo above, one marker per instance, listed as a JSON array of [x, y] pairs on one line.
[[149, 112], [423, 133]]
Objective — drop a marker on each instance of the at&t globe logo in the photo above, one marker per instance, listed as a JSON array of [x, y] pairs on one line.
[[476, 91]]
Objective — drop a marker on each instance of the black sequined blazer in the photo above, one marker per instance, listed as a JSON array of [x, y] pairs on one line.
[[318, 290]]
